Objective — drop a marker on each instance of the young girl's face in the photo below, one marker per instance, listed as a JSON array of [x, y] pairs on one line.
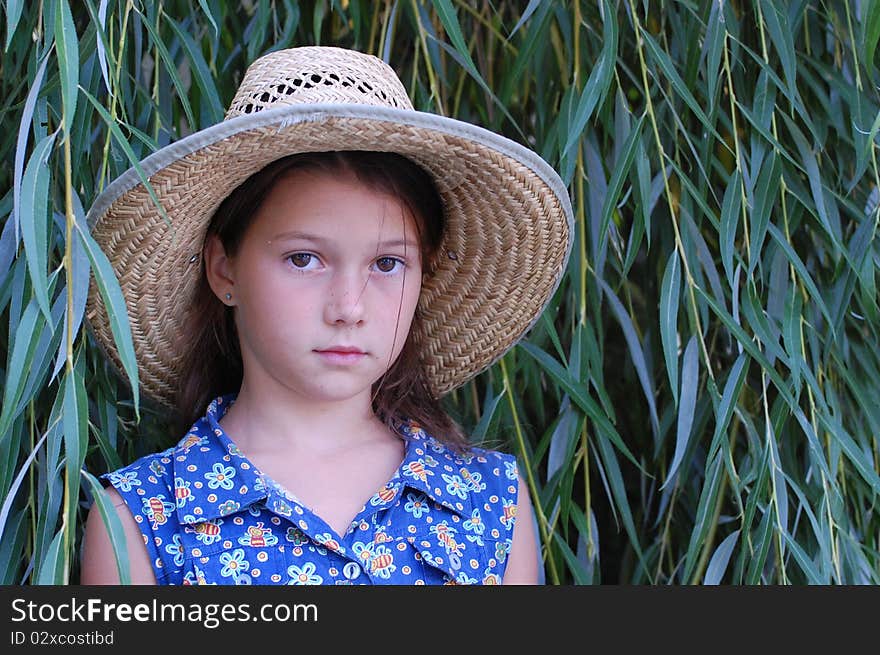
[[325, 284]]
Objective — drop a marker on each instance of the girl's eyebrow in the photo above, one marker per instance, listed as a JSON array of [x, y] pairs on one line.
[[305, 236]]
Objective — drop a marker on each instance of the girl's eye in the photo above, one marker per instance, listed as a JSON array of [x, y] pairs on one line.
[[387, 264], [302, 260]]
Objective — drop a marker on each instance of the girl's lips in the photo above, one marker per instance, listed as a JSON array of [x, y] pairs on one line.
[[341, 356], [342, 349]]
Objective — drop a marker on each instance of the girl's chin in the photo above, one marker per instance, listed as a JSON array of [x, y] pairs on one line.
[[333, 393]]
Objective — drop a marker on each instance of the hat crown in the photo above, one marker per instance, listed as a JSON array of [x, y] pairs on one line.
[[317, 74]]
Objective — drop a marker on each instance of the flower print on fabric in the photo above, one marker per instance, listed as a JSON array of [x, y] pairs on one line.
[[220, 477], [302, 575], [176, 550], [455, 486], [363, 551], [228, 507], [296, 536], [416, 504], [475, 525], [125, 481], [234, 563], [209, 516]]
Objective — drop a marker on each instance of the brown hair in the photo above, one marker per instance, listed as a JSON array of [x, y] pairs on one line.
[[212, 365]]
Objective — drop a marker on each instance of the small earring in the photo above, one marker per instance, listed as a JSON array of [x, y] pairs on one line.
[[228, 296]]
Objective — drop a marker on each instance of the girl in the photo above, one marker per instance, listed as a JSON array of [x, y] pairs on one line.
[[326, 264]]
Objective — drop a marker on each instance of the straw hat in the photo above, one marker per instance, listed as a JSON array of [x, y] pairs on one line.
[[508, 219]]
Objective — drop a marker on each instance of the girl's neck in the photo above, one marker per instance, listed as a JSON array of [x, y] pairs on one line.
[[278, 421]]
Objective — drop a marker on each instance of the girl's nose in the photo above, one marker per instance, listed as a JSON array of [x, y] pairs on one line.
[[345, 299]]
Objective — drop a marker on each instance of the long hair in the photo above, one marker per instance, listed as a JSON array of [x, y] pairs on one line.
[[212, 363]]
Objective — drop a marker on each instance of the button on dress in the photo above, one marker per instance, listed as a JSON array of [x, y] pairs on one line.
[[209, 516]]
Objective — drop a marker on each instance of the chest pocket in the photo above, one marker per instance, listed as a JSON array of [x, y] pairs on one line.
[[449, 561], [236, 566], [220, 551], [441, 549]]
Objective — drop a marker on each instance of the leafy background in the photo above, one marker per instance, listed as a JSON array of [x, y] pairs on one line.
[[698, 403]]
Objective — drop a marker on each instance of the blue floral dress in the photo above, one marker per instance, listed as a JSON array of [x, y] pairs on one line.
[[209, 516]]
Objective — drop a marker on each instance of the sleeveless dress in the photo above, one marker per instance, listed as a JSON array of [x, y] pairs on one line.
[[209, 516]]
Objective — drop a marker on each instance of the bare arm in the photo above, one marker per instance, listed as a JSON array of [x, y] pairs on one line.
[[99, 561], [522, 563]]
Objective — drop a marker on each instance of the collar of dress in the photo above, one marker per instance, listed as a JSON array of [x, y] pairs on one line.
[[233, 483]]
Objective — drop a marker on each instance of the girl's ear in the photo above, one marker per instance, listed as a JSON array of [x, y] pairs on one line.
[[219, 270]]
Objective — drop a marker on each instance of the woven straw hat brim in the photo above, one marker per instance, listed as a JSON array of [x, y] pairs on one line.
[[508, 230]]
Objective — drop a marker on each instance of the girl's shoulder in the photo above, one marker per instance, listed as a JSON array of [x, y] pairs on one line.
[[153, 490]]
